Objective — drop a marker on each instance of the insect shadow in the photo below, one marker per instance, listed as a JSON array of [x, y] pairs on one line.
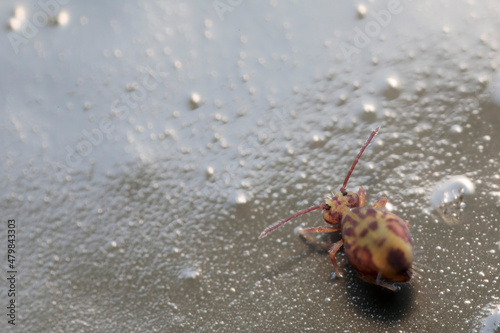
[[370, 300], [376, 302]]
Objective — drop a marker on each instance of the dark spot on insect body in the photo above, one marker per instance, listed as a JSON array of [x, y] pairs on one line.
[[349, 220], [332, 216], [361, 259], [349, 232], [363, 233], [373, 225], [352, 200], [397, 260], [399, 229], [365, 214], [371, 212]]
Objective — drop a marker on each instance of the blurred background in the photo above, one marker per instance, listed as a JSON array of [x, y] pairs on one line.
[[147, 144]]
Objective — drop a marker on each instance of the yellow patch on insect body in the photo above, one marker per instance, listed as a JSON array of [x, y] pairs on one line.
[[378, 244]]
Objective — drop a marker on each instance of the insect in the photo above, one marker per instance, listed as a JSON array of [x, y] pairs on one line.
[[377, 243]]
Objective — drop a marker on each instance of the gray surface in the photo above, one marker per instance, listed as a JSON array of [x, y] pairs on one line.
[[155, 227]]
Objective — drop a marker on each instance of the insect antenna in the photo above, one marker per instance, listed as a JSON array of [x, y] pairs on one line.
[[279, 224], [374, 132]]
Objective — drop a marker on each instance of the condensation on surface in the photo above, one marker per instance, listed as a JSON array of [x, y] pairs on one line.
[[147, 146]]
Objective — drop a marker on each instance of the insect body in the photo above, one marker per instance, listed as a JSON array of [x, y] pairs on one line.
[[378, 244]]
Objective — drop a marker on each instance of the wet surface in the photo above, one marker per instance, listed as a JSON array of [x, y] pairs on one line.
[[146, 147]]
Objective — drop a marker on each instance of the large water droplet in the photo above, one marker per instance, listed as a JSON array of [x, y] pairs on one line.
[[450, 189], [189, 273]]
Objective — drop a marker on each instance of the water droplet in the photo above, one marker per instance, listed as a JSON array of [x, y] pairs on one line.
[[361, 10], [63, 18], [449, 190], [20, 12], [18, 21], [392, 88], [421, 88], [241, 198], [369, 108], [195, 101], [189, 273], [369, 112], [342, 99], [455, 129]]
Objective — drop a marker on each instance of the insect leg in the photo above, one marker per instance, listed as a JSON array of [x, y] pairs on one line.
[[380, 203], [361, 196], [335, 247], [326, 246], [332, 248], [378, 282]]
